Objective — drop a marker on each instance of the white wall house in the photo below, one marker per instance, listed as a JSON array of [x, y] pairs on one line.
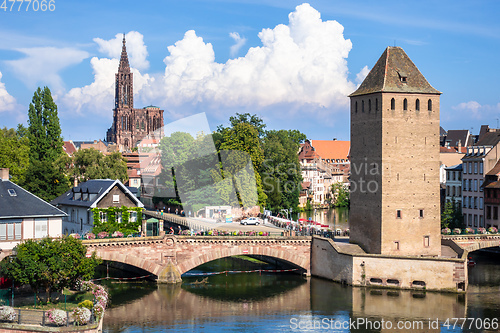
[[23, 216]]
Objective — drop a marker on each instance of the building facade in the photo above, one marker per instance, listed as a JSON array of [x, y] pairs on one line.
[[131, 125], [453, 184], [24, 216], [395, 202]]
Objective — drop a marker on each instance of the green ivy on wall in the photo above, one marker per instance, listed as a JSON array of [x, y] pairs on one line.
[[112, 225]]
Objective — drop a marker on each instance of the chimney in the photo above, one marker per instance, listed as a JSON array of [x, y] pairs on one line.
[[459, 146], [76, 182], [4, 173]]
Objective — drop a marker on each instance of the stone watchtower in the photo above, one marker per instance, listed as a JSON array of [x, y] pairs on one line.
[[131, 125], [395, 202]]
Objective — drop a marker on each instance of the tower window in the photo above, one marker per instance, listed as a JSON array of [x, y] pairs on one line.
[[405, 104], [399, 215], [362, 106], [356, 107], [426, 241], [376, 104], [417, 105], [396, 246], [369, 105], [393, 104], [421, 213], [429, 105]]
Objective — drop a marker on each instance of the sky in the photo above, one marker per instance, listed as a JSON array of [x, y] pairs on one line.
[[289, 62]]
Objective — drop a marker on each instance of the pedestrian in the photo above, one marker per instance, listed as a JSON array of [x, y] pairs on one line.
[[177, 211], [169, 210], [180, 230], [171, 231], [189, 213]]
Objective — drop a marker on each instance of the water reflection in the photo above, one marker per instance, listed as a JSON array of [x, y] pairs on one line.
[[268, 303], [334, 217]]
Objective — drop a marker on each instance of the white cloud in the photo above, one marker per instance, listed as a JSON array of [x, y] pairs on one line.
[[8, 103], [360, 77], [136, 49], [43, 64], [302, 65], [239, 42], [472, 108]]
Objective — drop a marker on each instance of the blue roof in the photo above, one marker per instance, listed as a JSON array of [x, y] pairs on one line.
[[16, 202]]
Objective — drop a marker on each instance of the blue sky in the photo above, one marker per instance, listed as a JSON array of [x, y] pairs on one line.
[[291, 63]]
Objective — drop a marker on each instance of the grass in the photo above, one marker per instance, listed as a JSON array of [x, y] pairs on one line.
[[255, 261]]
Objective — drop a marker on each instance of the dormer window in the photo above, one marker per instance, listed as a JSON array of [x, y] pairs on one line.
[[403, 77], [12, 192]]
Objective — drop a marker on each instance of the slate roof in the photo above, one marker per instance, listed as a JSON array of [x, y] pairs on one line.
[[98, 187], [457, 167], [23, 204], [387, 74], [489, 139], [454, 136]]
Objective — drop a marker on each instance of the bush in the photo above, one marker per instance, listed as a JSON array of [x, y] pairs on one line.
[[446, 231], [57, 317], [492, 230], [481, 230], [469, 231], [457, 231], [98, 310], [81, 315], [86, 304], [7, 313]]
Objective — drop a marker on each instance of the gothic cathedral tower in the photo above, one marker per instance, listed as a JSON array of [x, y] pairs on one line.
[[131, 125], [395, 202]]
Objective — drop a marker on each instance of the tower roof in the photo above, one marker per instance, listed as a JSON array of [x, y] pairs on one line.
[[394, 72], [124, 66]]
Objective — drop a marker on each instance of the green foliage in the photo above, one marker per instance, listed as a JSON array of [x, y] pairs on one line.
[[112, 224], [280, 171], [51, 264], [452, 217], [86, 304], [340, 195], [14, 152], [44, 176], [90, 163]]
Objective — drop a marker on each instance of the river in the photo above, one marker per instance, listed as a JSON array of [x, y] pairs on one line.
[[260, 302]]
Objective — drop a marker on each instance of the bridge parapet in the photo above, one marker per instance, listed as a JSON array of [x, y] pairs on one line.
[[170, 256], [474, 242]]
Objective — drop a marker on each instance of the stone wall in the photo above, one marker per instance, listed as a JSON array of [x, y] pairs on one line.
[[345, 263]]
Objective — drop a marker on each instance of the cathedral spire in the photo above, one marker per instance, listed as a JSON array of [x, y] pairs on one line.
[[124, 66]]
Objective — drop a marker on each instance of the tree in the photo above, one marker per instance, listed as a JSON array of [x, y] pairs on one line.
[[280, 171], [452, 217], [43, 177], [51, 264], [90, 163], [340, 195], [14, 152]]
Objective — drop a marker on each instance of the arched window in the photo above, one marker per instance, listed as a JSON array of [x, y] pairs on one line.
[[405, 104], [356, 107], [362, 106], [429, 105], [369, 105], [417, 105], [376, 104], [393, 104]]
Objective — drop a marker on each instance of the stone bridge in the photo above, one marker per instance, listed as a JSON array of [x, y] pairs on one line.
[[170, 256], [474, 242]]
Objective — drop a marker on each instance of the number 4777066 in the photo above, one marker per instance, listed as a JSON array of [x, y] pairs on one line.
[[27, 5]]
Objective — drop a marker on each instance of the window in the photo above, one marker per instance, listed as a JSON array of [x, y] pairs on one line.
[[481, 167], [421, 213], [41, 228], [488, 212], [116, 198], [495, 213], [362, 106], [475, 220], [481, 220], [398, 214], [369, 105], [12, 192], [119, 217], [426, 241], [470, 167], [376, 104], [133, 216], [429, 105], [475, 202], [475, 185], [393, 104], [470, 185], [447, 190], [465, 184], [475, 167], [356, 107], [396, 246], [465, 202], [454, 175], [405, 104], [480, 203], [481, 186], [103, 216], [417, 105]]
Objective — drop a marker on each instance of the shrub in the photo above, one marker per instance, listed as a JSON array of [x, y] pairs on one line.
[[98, 310], [81, 315], [77, 236], [86, 304], [57, 317], [469, 231], [7, 313]]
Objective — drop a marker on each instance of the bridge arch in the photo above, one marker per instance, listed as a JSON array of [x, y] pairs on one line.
[[132, 260], [297, 260]]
